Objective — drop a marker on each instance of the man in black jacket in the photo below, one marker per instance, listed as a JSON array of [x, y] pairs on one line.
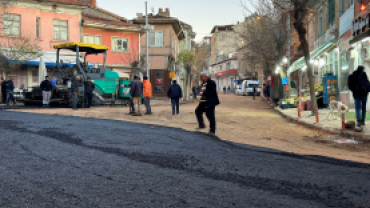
[[359, 94], [208, 103], [3, 90], [89, 89], [75, 88], [175, 94], [9, 87], [46, 88]]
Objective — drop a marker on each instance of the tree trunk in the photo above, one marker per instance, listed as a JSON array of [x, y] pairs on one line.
[[302, 38]]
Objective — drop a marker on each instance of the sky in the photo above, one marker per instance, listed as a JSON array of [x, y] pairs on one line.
[[202, 15]]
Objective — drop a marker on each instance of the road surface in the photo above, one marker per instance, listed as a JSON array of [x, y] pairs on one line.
[[55, 161]]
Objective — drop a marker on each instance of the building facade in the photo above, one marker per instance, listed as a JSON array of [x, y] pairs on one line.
[[163, 48]]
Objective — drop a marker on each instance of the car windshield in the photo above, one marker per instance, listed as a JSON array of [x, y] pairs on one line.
[[253, 85]]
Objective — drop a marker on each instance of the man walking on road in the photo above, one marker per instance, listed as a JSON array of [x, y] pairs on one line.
[[136, 94], [175, 94], [208, 103], [89, 89], [358, 83], [75, 86], [9, 87], [147, 91], [3, 90], [46, 87]]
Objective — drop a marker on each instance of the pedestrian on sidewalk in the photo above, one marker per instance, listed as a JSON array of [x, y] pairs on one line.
[[175, 94], [75, 88], [46, 87], [254, 92], [89, 89], [147, 91], [228, 90], [208, 103], [358, 83], [136, 94], [3, 90], [9, 87]]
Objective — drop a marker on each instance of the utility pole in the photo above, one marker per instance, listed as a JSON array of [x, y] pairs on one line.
[[147, 40]]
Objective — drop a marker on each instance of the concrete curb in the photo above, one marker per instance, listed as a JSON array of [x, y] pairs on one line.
[[357, 135]]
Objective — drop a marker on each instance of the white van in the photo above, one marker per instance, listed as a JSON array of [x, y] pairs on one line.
[[248, 86]]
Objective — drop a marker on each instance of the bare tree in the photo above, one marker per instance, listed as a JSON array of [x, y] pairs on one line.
[[202, 52], [265, 37], [186, 58], [303, 12], [134, 60]]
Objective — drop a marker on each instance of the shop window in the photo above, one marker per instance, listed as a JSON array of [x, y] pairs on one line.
[[60, 30], [120, 45], [12, 25], [350, 3], [159, 82], [342, 9], [344, 73]]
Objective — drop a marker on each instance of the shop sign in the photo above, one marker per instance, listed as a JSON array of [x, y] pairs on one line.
[[360, 25], [159, 81], [172, 75]]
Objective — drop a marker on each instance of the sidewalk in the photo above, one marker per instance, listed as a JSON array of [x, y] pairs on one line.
[[330, 124]]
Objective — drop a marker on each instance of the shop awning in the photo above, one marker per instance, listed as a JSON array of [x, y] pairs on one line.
[[300, 63], [223, 73]]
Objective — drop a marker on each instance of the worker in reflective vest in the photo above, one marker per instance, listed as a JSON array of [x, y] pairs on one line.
[[147, 92]]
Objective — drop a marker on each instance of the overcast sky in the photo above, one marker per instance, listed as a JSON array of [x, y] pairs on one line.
[[201, 14]]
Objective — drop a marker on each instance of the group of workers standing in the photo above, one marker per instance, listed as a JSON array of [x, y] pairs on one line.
[[7, 88]]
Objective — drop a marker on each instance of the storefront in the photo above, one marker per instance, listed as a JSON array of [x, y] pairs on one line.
[[225, 79]]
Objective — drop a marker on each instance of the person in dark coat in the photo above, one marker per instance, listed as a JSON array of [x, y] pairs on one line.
[[175, 94], [254, 92], [89, 89], [359, 94], [75, 88], [208, 103], [137, 94], [9, 87], [46, 87], [3, 90], [195, 92]]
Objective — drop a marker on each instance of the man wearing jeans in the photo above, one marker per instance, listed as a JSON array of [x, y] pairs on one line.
[[136, 94], [355, 84], [46, 87], [175, 94], [75, 86], [147, 91]]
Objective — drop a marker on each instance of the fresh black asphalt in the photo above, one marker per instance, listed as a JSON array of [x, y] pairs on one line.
[[54, 161]]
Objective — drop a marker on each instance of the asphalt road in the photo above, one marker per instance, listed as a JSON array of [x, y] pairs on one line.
[[54, 161]]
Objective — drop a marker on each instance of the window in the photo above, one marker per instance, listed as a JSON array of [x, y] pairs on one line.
[[156, 39], [320, 22], [60, 30], [341, 7], [350, 3], [37, 27], [330, 13], [12, 25], [120, 45], [92, 39]]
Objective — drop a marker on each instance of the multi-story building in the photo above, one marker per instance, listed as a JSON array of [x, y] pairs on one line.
[[43, 24], [224, 45], [163, 48], [122, 37]]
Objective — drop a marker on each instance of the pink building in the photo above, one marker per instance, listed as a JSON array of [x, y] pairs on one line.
[[123, 39], [43, 24]]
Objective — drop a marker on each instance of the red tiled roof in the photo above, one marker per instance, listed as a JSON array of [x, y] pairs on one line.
[[109, 13], [92, 18], [77, 2]]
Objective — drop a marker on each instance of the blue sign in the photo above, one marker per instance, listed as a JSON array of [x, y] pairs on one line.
[[345, 21], [285, 81], [236, 81]]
